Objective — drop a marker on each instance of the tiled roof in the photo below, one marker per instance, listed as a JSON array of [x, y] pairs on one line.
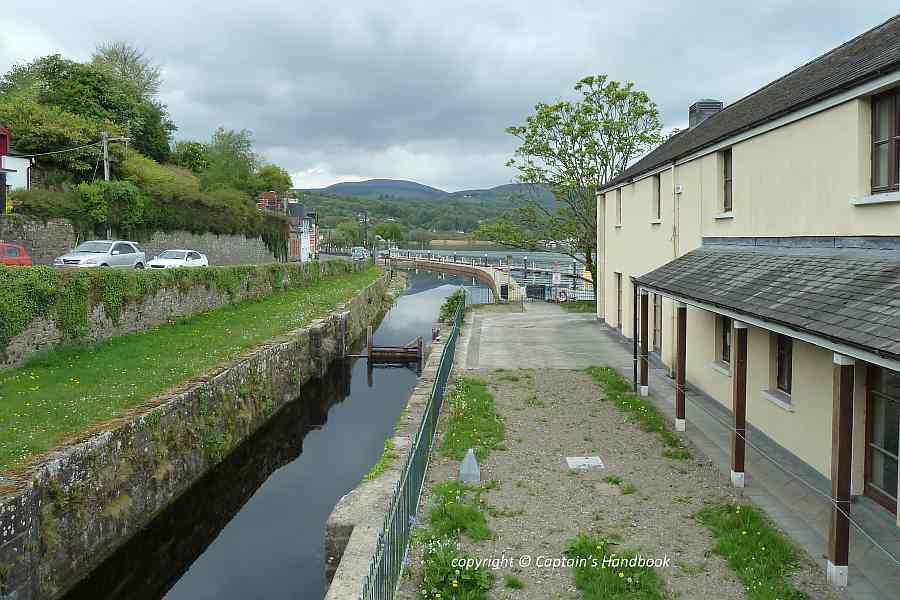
[[865, 57], [853, 300]]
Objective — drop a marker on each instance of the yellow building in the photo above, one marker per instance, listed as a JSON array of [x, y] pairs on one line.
[[769, 231]]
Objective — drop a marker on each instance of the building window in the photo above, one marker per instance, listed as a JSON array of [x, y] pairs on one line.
[[657, 195], [619, 206], [619, 301], [784, 351], [724, 341], [657, 322], [727, 201], [886, 141]]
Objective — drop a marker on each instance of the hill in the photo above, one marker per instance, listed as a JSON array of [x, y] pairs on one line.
[[381, 188], [501, 196]]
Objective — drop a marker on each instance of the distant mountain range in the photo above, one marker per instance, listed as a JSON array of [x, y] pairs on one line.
[[399, 189]]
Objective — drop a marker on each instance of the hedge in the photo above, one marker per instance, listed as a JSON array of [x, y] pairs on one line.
[[69, 296]]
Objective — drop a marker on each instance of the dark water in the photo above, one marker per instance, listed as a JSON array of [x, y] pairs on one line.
[[254, 527]]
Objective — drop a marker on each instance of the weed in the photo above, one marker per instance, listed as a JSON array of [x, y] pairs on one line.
[[597, 580], [513, 582], [387, 457], [628, 488], [443, 577], [474, 422], [613, 479], [533, 400], [760, 555], [646, 414], [455, 513]]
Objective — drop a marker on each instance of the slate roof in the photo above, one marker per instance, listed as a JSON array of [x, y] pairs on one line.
[[852, 300], [863, 58]]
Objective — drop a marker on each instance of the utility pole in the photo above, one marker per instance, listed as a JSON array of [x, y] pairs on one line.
[[104, 139]]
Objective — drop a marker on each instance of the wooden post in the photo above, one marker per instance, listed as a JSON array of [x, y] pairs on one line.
[[680, 363], [841, 431], [645, 337], [370, 342], [739, 392]]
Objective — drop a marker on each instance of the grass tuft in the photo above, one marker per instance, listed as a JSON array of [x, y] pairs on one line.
[[456, 513], [597, 581], [387, 457], [474, 422], [759, 554], [643, 411], [513, 582]]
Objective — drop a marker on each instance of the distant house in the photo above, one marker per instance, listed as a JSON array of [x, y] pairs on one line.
[[303, 237], [269, 201], [15, 171]]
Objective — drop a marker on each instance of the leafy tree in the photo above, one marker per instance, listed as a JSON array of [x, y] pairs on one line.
[[130, 64], [193, 156], [99, 96], [574, 148], [390, 231], [232, 162], [273, 178], [350, 231], [153, 133], [39, 128]]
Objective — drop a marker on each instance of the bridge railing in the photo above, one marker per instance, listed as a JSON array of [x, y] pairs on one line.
[[393, 541]]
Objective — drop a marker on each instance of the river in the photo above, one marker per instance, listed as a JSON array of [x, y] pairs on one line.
[[253, 527]]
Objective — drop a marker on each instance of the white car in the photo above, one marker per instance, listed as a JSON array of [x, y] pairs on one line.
[[175, 259]]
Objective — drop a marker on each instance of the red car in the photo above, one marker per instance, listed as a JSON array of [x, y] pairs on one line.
[[14, 255]]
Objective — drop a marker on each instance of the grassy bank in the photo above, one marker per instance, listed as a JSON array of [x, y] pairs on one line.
[[68, 390]]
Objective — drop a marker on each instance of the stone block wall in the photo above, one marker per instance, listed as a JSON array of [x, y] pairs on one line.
[[46, 241], [71, 511], [167, 303]]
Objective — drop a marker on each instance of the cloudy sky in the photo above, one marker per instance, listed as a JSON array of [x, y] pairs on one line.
[[348, 90]]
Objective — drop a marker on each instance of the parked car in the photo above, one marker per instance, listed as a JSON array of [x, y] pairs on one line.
[[14, 255], [175, 259], [104, 253], [359, 253]]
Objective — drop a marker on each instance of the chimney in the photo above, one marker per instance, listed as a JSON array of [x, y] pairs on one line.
[[701, 110]]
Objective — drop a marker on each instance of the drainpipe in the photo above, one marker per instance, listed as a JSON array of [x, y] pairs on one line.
[[634, 334], [676, 210]]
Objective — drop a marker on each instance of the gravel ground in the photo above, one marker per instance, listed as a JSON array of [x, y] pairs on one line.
[[546, 504]]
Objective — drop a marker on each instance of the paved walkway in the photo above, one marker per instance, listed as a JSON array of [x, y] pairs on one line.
[[545, 336]]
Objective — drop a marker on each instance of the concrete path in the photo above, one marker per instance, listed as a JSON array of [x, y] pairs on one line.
[[545, 336]]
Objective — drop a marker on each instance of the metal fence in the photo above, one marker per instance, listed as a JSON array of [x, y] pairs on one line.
[[393, 541]]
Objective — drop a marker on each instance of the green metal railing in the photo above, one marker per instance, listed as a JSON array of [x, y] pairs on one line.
[[393, 541]]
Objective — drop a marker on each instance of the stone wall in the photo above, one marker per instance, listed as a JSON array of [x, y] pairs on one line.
[[167, 303], [43, 241], [70, 512], [46, 241]]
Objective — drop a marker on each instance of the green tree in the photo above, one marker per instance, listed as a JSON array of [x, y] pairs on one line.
[[153, 132], [390, 231], [273, 178], [232, 162], [193, 156], [128, 63], [350, 231], [574, 148]]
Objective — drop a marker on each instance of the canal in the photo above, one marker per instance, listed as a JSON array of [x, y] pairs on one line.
[[253, 527]]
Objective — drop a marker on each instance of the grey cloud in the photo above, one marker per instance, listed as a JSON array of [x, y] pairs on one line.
[[424, 90]]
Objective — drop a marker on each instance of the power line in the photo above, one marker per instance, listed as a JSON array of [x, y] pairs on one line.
[[59, 151]]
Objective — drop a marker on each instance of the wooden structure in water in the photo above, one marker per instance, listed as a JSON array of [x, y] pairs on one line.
[[412, 352]]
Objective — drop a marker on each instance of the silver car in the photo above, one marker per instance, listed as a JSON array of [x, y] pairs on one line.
[[104, 253]]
